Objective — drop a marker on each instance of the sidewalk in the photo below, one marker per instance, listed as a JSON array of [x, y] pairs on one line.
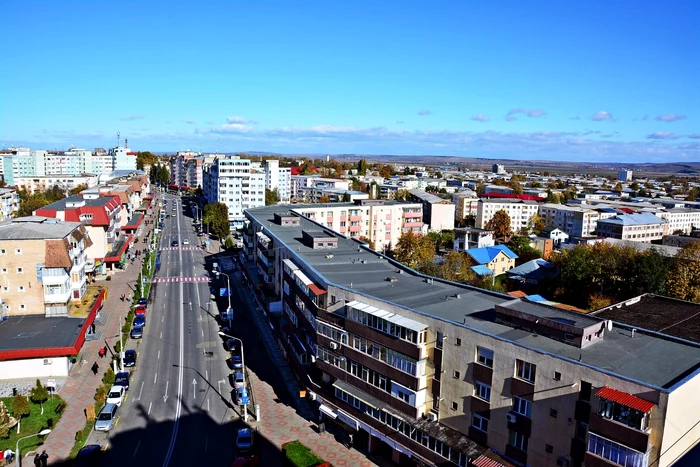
[[79, 390]]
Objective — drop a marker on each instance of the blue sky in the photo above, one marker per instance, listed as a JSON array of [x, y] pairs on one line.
[[584, 81]]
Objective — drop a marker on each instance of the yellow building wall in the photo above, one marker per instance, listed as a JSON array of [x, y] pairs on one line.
[[32, 252]]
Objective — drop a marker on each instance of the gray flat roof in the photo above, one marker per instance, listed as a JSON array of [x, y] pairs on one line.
[[568, 317], [647, 358], [38, 332], [35, 228]]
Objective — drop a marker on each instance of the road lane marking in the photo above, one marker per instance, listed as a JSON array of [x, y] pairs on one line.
[[149, 408], [161, 334], [162, 318], [194, 388], [155, 378], [206, 373], [165, 397], [141, 391], [202, 332], [137, 449], [159, 355], [207, 411]]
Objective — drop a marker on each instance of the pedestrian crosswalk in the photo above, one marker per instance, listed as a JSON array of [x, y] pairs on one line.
[[157, 280], [184, 248]]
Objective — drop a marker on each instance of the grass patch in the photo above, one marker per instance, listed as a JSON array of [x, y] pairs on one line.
[[83, 308], [32, 424], [80, 440], [299, 455]]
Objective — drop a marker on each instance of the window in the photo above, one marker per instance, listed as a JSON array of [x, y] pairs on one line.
[[3, 251], [482, 391], [458, 341], [525, 371], [518, 440], [20, 270], [548, 448], [455, 406], [20, 288], [480, 423], [4, 270], [557, 376], [585, 394], [616, 453], [438, 341], [18, 251], [456, 374], [553, 413], [22, 307], [5, 288], [522, 406], [484, 356], [623, 414]]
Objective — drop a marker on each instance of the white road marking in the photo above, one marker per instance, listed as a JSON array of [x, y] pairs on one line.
[[149, 408], [194, 388], [206, 374], [162, 318], [137, 449], [141, 391], [155, 378], [207, 408], [159, 355], [202, 332], [161, 334]]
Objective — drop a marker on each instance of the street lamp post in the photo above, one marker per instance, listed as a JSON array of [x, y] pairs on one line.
[[223, 334], [228, 282], [41, 433]]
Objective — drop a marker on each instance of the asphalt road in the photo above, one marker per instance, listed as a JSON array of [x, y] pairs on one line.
[[178, 410]]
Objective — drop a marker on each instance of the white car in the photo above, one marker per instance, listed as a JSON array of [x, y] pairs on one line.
[[116, 395], [185, 242]]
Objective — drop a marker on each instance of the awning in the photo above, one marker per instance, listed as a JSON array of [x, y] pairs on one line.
[[360, 395], [327, 411], [624, 398], [485, 461], [316, 289], [118, 255], [388, 316], [290, 264], [303, 277]]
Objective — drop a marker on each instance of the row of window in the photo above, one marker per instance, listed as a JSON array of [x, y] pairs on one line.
[[18, 251], [387, 327], [396, 359], [523, 370], [405, 429]]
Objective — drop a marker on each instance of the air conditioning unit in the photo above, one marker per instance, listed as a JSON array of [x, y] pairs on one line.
[[432, 416], [511, 418], [335, 345]]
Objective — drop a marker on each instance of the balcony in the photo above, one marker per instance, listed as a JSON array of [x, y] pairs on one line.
[[412, 215], [57, 297], [355, 228], [412, 224], [623, 434]]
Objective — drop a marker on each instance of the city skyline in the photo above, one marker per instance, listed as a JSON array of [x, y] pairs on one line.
[[589, 83]]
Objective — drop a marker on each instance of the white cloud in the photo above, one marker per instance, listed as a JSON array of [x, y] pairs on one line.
[[602, 115], [236, 119], [663, 135], [668, 118], [529, 112], [480, 118], [424, 112]]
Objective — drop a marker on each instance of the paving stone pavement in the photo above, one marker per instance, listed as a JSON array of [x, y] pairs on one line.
[[80, 387], [23, 386]]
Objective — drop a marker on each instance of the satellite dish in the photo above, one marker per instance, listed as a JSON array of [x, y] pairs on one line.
[[609, 325]]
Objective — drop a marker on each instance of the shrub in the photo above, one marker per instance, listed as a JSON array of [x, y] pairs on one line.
[[101, 394], [79, 434], [109, 278], [20, 406], [39, 394], [109, 377], [60, 407]]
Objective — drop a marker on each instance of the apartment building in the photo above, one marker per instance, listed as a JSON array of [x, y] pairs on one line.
[[426, 372], [42, 265], [21, 162], [299, 184], [123, 158], [574, 220], [37, 184], [381, 221], [75, 161], [466, 205], [278, 178], [472, 238], [101, 216], [314, 194], [438, 213], [184, 169], [638, 227], [9, 203], [680, 219], [230, 180], [624, 175], [520, 212]]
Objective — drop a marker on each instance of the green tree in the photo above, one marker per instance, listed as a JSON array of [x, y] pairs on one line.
[[414, 250], [480, 188], [535, 223], [31, 204], [500, 224], [402, 194], [145, 158], [552, 198], [271, 197], [456, 267], [6, 421], [520, 245], [516, 186], [20, 407], [216, 217], [683, 280], [362, 167], [618, 187], [39, 394], [78, 189]]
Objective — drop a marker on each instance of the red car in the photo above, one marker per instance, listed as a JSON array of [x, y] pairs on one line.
[[140, 310]]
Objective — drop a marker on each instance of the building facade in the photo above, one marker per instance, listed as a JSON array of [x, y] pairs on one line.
[[278, 178], [36, 184], [519, 211], [42, 265], [466, 205], [639, 227], [438, 213], [575, 221], [427, 372], [9, 203], [472, 238]]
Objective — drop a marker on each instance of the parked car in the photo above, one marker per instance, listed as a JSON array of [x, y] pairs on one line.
[[241, 396], [174, 243], [142, 301], [232, 345], [130, 358], [89, 456], [140, 321], [244, 440], [185, 242], [140, 310], [116, 395], [122, 379], [237, 379], [136, 333], [106, 418], [237, 362]]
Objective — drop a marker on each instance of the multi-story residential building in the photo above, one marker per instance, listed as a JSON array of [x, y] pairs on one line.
[[574, 220], [499, 169], [230, 180], [520, 212], [9, 203], [466, 205], [638, 227], [123, 158], [314, 194], [75, 161], [624, 175], [42, 265], [21, 162], [381, 221], [101, 216], [472, 238], [182, 172], [680, 219], [438, 213], [426, 372], [37, 184], [298, 183], [278, 178]]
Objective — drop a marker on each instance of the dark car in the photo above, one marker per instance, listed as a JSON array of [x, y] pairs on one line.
[[130, 358], [142, 301], [140, 321], [237, 362], [136, 333], [88, 456], [232, 346], [244, 440], [174, 243], [122, 379]]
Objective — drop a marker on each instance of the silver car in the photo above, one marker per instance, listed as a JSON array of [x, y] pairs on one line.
[[107, 418]]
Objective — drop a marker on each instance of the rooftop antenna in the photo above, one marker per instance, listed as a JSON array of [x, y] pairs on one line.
[[119, 135]]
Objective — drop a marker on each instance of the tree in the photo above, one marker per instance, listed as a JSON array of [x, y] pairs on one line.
[[618, 187], [324, 199], [552, 198], [683, 280], [31, 204], [78, 189], [271, 197], [39, 394], [367, 241], [402, 194], [480, 188], [216, 217], [521, 246], [456, 267], [516, 186], [500, 224], [362, 167], [535, 223], [20, 408], [55, 193], [145, 158], [159, 174], [386, 171], [346, 197], [6, 421], [414, 250]]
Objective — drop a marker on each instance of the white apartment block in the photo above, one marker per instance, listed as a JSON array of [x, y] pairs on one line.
[[299, 182], [9, 203], [314, 194], [640, 227], [682, 219], [75, 161], [575, 221], [279, 178], [123, 159], [466, 204], [519, 211], [624, 175], [381, 221], [39, 184], [230, 180]]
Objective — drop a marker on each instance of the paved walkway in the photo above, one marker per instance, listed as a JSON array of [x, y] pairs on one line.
[[79, 390]]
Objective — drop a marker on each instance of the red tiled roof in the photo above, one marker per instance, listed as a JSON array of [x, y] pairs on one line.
[[627, 210], [625, 399]]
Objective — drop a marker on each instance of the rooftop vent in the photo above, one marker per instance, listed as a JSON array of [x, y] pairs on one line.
[[392, 279]]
